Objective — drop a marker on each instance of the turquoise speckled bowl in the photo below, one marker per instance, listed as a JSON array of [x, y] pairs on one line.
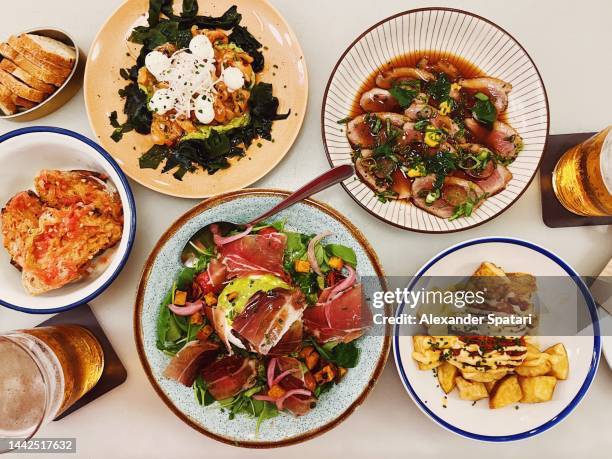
[[159, 272]]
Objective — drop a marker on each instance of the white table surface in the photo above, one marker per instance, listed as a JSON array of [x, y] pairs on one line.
[[570, 43]]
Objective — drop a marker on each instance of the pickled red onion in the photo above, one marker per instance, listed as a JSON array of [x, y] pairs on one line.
[[311, 253], [220, 240], [188, 309]]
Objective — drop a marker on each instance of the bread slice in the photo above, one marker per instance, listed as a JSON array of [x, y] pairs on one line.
[[23, 103], [21, 89], [58, 70], [24, 63], [19, 73], [48, 50], [7, 106]]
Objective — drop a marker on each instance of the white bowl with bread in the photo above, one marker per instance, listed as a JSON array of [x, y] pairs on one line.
[[39, 72]]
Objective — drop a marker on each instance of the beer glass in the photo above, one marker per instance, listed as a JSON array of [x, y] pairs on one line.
[[582, 179], [43, 371]]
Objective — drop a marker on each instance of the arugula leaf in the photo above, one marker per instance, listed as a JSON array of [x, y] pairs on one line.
[[346, 253], [203, 397], [342, 354], [484, 110], [346, 355]]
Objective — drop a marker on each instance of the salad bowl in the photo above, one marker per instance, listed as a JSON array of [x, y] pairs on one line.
[[164, 263]]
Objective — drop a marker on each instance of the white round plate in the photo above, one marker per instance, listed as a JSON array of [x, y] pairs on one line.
[[23, 154], [439, 31], [506, 424]]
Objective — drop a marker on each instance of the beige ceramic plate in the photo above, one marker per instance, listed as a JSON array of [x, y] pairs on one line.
[[285, 69]]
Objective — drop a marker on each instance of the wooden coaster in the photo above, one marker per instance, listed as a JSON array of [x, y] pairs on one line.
[[114, 373], [553, 212]]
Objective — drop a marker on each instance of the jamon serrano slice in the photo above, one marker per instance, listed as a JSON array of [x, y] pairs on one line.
[[255, 254], [229, 376], [291, 341], [298, 404], [185, 365], [267, 318], [343, 318]]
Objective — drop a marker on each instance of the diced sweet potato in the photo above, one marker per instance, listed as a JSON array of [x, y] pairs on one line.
[[180, 297]]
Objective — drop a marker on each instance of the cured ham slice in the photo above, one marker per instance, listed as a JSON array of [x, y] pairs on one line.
[[229, 376], [291, 341], [255, 254], [212, 279], [340, 318], [496, 182], [501, 138], [267, 318], [296, 386], [185, 365], [454, 192], [298, 404]]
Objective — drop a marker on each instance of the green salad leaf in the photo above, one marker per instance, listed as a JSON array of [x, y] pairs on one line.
[[346, 253]]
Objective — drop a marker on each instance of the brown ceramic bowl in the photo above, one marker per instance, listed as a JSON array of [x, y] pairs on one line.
[[62, 94], [285, 69], [162, 266]]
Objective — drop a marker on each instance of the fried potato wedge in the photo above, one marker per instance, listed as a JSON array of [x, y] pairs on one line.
[[506, 392], [537, 389], [526, 369], [559, 361], [490, 385], [425, 357], [470, 390], [492, 375], [446, 376]]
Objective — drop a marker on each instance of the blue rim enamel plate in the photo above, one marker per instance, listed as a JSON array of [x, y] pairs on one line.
[[23, 154], [160, 270], [478, 422], [438, 32]]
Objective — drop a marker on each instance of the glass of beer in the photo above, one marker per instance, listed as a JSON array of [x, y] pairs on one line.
[[582, 179], [43, 371]]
